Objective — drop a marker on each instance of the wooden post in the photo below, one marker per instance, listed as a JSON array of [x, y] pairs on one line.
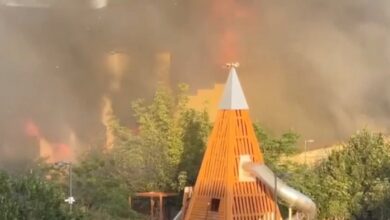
[[129, 199], [161, 208], [289, 213], [275, 197], [151, 208]]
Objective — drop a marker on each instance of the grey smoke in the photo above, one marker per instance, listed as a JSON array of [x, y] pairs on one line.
[[317, 67], [321, 67]]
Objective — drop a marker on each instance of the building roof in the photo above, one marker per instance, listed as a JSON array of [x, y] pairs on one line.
[[156, 194], [233, 97]]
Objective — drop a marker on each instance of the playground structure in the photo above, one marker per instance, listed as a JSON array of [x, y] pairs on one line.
[[156, 203], [233, 182]]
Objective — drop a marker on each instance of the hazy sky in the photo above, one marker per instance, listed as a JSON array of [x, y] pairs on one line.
[[317, 67]]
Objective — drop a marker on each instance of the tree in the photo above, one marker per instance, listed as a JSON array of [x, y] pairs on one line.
[[32, 197], [196, 128], [160, 137], [162, 153], [101, 188], [8, 206], [275, 148], [354, 183], [172, 138]]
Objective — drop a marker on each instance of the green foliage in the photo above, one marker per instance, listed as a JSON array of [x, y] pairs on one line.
[[8, 206], [356, 179], [160, 137], [171, 139], [162, 154], [275, 148], [101, 188], [353, 183], [196, 127], [32, 197]]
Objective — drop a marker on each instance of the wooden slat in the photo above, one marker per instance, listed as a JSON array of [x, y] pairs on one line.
[[233, 135]]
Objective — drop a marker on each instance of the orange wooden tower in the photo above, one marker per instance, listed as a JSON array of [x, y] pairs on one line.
[[223, 190]]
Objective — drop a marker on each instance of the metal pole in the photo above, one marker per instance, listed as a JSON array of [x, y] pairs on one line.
[[70, 186], [64, 164], [275, 197], [305, 152], [306, 142]]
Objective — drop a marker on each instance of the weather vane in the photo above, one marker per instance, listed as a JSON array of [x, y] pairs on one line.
[[230, 65]]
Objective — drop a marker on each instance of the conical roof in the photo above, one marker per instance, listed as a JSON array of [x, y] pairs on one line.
[[233, 97], [223, 189]]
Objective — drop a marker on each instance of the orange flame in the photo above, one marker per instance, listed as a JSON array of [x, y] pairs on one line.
[[106, 116], [225, 15], [52, 152], [228, 47], [63, 152], [31, 129]]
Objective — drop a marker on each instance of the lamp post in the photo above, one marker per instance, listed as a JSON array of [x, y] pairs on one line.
[[70, 200], [307, 142]]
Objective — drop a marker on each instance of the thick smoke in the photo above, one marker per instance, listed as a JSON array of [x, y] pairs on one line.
[[317, 67], [320, 67]]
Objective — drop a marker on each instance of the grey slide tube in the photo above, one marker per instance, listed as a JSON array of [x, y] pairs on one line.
[[178, 216], [292, 197]]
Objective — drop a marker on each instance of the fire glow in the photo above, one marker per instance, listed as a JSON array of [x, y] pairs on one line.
[[225, 15], [50, 151]]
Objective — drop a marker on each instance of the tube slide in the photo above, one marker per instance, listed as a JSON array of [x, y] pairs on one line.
[[178, 216], [292, 197]]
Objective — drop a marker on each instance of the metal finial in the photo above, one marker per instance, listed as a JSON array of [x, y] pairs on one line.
[[230, 65]]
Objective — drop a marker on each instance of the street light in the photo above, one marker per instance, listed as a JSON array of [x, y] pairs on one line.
[[70, 200], [307, 142]]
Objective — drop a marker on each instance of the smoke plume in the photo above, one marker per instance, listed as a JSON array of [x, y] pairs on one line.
[[317, 67]]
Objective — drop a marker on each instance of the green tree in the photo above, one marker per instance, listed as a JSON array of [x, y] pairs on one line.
[[196, 129], [354, 182], [276, 148], [8, 206], [30, 196], [172, 138], [101, 188], [162, 153], [160, 137]]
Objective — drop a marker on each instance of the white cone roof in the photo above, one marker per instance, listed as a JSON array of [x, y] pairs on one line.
[[233, 97]]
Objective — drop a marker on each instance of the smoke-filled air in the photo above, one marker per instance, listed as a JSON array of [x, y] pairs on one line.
[[319, 68]]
